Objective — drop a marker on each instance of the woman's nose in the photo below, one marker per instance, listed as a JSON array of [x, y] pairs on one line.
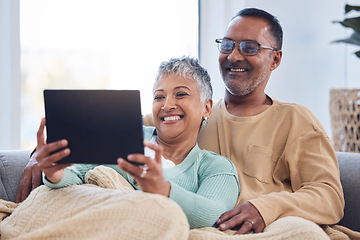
[[169, 105]]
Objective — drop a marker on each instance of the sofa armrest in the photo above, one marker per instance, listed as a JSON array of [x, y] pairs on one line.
[[12, 164], [349, 164]]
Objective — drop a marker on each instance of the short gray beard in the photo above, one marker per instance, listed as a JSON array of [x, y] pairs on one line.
[[241, 92]]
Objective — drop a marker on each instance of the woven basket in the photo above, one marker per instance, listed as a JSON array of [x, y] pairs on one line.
[[345, 119]]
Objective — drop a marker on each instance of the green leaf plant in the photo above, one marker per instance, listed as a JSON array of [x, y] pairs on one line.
[[353, 23]]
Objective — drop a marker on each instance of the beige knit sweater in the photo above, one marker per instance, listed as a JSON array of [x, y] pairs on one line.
[[285, 160]]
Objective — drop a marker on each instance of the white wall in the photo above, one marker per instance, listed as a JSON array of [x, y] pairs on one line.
[[214, 17], [310, 67], [9, 75]]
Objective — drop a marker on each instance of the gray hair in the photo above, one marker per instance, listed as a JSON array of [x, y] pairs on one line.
[[190, 68]]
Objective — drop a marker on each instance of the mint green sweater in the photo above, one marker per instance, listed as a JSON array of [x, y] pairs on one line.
[[205, 184]]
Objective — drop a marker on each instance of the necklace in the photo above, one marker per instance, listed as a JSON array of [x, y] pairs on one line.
[[167, 156], [173, 158]]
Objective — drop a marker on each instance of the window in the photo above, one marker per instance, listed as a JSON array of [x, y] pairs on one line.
[[96, 44]]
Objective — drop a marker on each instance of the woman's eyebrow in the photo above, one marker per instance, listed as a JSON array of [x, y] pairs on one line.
[[158, 90], [183, 87], [177, 87]]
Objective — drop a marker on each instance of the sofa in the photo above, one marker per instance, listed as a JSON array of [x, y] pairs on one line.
[[13, 162]]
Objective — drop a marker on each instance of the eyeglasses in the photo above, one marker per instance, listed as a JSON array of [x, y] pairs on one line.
[[246, 48]]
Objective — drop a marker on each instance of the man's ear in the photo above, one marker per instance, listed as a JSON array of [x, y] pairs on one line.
[[276, 59]]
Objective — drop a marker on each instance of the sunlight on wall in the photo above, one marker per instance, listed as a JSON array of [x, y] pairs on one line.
[[95, 44]]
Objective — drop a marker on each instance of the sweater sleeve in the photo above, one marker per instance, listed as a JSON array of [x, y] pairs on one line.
[[317, 193], [216, 195], [73, 175]]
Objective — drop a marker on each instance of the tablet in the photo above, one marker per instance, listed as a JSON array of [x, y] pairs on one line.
[[100, 125]]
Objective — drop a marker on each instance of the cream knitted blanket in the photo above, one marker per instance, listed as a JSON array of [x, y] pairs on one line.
[[107, 208], [91, 212]]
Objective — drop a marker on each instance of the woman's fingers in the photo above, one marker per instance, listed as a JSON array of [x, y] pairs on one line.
[[136, 170], [157, 148], [149, 175], [46, 156], [149, 178], [132, 169], [57, 167], [40, 133]]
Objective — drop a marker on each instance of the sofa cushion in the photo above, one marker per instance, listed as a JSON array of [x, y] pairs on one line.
[[349, 164], [12, 164]]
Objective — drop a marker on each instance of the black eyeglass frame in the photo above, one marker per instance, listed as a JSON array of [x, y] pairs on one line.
[[259, 45]]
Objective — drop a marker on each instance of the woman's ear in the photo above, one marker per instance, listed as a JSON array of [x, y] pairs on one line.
[[208, 107]]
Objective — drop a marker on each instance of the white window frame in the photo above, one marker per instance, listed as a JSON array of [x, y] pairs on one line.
[[10, 80]]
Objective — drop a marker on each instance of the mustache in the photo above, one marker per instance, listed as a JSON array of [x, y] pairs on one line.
[[242, 64]]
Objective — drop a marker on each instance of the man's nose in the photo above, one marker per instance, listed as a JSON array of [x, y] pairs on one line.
[[235, 55]]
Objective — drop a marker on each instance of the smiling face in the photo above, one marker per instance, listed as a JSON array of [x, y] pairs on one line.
[[244, 75], [177, 109]]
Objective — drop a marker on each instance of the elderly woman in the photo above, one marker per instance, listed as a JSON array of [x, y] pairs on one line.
[[202, 183]]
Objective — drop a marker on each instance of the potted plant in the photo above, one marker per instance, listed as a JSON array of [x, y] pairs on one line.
[[353, 23], [345, 103]]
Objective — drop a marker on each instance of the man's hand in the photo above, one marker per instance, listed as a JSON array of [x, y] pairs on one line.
[[30, 179], [244, 218]]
